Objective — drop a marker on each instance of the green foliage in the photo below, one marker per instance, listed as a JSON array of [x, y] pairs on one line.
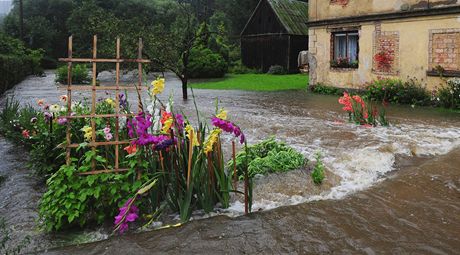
[[239, 68], [80, 74], [16, 62], [206, 64], [397, 91], [318, 170], [5, 239], [266, 157], [449, 96], [326, 90], [276, 70], [74, 200]]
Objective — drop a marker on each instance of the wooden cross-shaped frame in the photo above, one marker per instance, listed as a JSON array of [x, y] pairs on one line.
[[93, 88]]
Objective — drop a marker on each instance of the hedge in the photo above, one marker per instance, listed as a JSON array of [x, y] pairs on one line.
[[14, 69]]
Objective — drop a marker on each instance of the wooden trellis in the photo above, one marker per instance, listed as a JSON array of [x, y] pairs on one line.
[[94, 88]]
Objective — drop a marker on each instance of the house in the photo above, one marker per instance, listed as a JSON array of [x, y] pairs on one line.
[[352, 42], [275, 35]]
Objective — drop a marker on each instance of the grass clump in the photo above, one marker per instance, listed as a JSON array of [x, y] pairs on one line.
[[80, 74], [268, 156]]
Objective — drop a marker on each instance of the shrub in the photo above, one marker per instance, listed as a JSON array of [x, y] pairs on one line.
[[239, 68], [80, 74], [266, 157], [276, 70], [206, 64], [449, 95], [16, 62], [397, 91], [326, 90]]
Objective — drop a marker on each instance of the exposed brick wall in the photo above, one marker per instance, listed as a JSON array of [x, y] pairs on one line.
[[387, 44], [445, 49]]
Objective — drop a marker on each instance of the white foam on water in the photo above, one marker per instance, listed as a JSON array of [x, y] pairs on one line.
[[366, 161]]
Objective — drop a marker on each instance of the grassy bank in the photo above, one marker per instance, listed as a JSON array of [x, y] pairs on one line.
[[255, 82]]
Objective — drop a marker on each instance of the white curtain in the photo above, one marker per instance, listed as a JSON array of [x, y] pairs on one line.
[[340, 46], [353, 47]]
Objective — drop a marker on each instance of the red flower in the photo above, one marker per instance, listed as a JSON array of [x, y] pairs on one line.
[[25, 134], [346, 102], [131, 149]]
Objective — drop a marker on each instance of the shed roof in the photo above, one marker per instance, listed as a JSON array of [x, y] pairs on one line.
[[292, 14]]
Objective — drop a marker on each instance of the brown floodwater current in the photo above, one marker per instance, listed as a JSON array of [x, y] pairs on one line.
[[388, 189]]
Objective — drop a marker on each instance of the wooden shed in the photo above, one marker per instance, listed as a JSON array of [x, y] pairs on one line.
[[275, 34]]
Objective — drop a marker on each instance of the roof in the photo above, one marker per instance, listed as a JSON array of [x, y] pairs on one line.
[[292, 14]]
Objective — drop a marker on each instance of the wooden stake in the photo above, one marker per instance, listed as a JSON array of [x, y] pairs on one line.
[[93, 105], [117, 104], [190, 154], [235, 177], [69, 101]]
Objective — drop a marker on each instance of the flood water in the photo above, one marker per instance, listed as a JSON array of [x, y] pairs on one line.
[[388, 190]]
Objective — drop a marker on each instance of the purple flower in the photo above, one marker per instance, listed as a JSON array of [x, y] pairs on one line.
[[164, 144], [61, 120], [128, 213], [228, 127], [123, 101], [180, 120], [48, 116]]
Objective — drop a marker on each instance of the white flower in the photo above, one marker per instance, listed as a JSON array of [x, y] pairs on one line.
[[55, 108]]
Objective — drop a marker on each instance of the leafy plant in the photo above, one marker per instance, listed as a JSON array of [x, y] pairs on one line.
[[80, 74], [397, 91], [266, 157], [318, 170], [449, 95], [206, 64], [325, 89], [276, 70]]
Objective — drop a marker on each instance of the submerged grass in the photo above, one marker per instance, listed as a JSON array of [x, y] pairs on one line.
[[256, 82]]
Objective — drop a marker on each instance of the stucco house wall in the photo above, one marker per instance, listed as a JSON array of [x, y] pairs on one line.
[[418, 44]]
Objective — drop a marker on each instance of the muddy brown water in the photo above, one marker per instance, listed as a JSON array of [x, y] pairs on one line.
[[388, 190]]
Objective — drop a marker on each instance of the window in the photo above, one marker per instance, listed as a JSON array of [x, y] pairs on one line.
[[345, 49]]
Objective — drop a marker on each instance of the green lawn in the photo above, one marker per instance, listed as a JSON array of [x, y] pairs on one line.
[[256, 82]]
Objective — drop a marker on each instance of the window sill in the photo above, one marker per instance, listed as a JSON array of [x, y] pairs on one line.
[[446, 73], [344, 69]]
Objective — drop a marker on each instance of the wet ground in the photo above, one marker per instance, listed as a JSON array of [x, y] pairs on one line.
[[389, 190]]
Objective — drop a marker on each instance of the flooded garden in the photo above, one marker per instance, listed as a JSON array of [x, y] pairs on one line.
[[391, 188]]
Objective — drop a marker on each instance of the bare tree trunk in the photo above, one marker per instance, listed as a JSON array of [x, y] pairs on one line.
[[184, 87], [21, 20]]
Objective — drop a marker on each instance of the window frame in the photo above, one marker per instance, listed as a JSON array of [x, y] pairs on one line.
[[333, 51]]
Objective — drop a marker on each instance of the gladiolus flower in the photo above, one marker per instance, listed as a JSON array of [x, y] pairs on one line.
[[222, 114], [346, 102], [131, 149], [158, 86], [128, 213], [191, 132], [212, 139]]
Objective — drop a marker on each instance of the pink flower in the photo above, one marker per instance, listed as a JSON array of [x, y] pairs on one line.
[[128, 213], [61, 120], [25, 134]]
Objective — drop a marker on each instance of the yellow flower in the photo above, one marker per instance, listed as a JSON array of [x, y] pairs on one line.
[[110, 102], [88, 132], [189, 129], [167, 125], [158, 86], [222, 114], [212, 139]]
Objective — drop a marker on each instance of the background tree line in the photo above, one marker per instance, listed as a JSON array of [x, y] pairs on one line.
[[192, 38]]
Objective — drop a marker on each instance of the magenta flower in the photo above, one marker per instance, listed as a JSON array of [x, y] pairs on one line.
[[128, 213], [228, 127]]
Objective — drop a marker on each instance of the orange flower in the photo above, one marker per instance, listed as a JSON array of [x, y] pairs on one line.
[[165, 116], [41, 102], [131, 149]]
